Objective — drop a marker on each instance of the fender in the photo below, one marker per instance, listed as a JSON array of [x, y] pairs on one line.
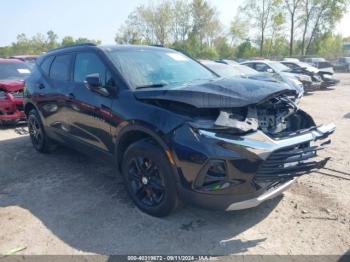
[[127, 127], [28, 102]]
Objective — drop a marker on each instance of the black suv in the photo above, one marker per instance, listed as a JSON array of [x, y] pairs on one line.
[[173, 128]]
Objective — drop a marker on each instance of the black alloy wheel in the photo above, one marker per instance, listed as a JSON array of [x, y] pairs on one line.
[[149, 178], [35, 132], [40, 141], [146, 183]]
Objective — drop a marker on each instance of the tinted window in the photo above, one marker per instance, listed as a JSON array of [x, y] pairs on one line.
[[324, 65], [46, 64], [86, 64], [60, 68], [249, 65], [13, 71], [290, 65], [262, 67]]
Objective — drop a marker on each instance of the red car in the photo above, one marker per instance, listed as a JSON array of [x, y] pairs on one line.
[[12, 75], [28, 59]]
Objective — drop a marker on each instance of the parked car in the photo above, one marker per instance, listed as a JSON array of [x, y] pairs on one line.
[[326, 70], [279, 70], [28, 59], [227, 62], [174, 129], [327, 78], [12, 75], [302, 68], [228, 71], [342, 64], [322, 64], [233, 70]]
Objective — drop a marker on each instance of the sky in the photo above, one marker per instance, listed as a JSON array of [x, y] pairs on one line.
[[94, 19]]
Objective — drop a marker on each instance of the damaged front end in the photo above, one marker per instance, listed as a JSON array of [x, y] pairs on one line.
[[11, 107], [250, 154], [239, 142]]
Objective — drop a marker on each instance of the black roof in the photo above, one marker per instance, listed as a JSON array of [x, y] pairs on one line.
[[105, 48]]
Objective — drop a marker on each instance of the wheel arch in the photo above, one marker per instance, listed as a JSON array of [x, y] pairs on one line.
[[28, 107], [135, 132]]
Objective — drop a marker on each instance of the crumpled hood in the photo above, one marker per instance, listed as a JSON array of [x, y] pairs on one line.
[[262, 77], [218, 93], [11, 85], [312, 69]]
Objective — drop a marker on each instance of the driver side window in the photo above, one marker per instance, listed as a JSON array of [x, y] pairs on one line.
[[90, 63], [262, 67]]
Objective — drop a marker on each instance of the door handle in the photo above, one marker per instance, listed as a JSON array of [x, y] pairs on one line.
[[71, 96], [41, 86]]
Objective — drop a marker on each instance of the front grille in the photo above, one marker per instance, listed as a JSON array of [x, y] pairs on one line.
[[17, 94], [20, 107], [291, 162]]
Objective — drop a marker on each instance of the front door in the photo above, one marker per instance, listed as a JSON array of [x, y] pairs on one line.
[[89, 110]]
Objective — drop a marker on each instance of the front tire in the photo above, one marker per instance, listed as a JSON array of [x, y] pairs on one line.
[[41, 142], [149, 178]]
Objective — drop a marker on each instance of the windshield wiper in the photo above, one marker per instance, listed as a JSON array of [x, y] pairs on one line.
[[152, 86]]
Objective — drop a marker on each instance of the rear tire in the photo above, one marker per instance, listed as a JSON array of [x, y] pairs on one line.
[[149, 178], [41, 142]]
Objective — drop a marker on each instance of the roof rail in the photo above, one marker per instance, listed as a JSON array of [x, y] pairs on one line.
[[74, 45], [157, 45]]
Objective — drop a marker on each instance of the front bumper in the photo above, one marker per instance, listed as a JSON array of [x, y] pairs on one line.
[[11, 108], [328, 81], [312, 86], [258, 167], [269, 194]]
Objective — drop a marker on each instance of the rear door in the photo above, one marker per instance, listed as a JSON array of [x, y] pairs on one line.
[[90, 111], [52, 92]]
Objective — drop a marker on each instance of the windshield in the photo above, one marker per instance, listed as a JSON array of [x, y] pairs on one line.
[[279, 67], [244, 70], [222, 69], [304, 65], [14, 71], [157, 68]]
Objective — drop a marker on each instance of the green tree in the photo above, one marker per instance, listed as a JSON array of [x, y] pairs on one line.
[[246, 50], [293, 8], [259, 13], [323, 18], [40, 43], [328, 45], [181, 16], [239, 29], [206, 24], [51, 41], [223, 49]]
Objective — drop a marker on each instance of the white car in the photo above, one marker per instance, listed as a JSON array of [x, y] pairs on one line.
[[322, 64]]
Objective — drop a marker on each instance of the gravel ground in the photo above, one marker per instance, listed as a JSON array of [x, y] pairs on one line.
[[67, 203]]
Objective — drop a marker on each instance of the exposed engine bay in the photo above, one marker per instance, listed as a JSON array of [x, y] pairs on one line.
[[276, 117], [271, 117]]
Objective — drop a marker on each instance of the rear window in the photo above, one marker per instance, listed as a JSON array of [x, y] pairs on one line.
[[323, 65], [60, 68], [13, 71], [46, 64]]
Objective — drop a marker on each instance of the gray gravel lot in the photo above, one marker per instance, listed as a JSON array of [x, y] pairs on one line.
[[67, 203]]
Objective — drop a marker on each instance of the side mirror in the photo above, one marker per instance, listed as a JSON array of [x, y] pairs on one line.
[[269, 70], [93, 83]]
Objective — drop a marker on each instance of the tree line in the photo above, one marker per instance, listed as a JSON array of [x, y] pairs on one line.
[[40, 43], [269, 28]]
